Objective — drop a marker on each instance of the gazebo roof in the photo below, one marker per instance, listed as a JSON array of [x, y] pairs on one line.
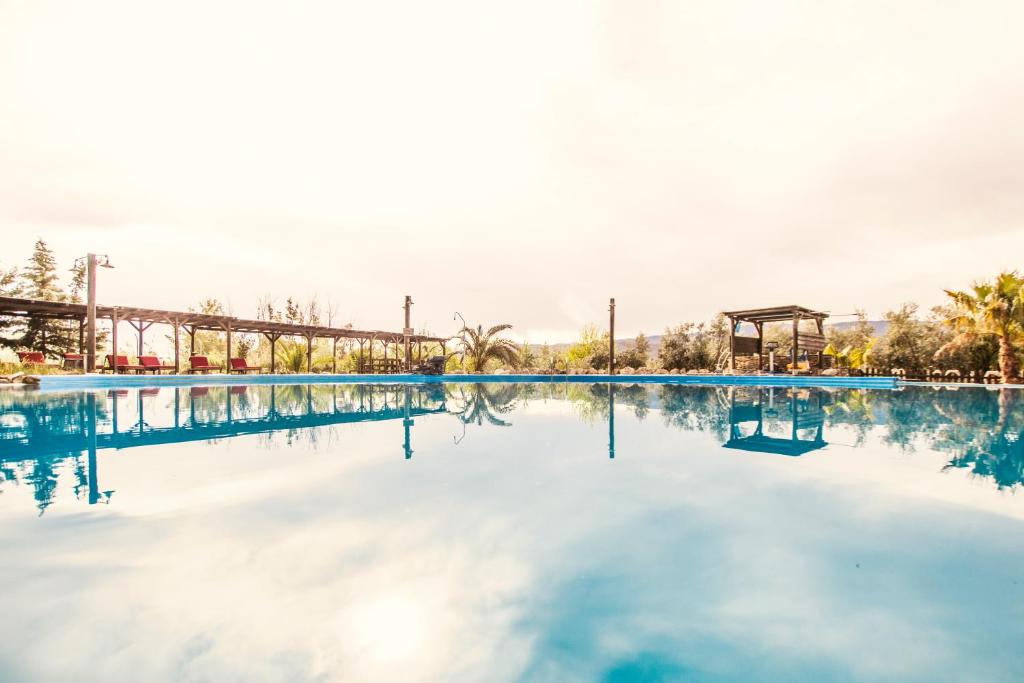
[[774, 314]]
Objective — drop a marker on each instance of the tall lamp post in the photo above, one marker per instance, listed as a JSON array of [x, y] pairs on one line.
[[406, 332], [462, 336], [92, 261], [611, 336]]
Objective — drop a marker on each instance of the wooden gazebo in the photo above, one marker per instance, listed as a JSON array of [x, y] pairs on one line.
[[812, 342]]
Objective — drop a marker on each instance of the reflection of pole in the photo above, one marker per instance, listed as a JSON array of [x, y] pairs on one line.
[[94, 487], [611, 421], [177, 407], [407, 425]]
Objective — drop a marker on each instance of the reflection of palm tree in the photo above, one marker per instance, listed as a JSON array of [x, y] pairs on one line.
[[995, 449], [477, 403]]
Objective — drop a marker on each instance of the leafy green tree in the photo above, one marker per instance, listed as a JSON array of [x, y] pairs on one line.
[[909, 342], [636, 356], [692, 346], [527, 357], [590, 350], [993, 308], [483, 347]]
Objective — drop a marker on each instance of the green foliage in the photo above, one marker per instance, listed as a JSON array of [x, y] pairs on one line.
[[635, 357], [693, 346], [588, 349], [527, 358], [909, 343]]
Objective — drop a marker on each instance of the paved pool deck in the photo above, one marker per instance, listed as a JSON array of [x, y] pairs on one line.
[[97, 381]]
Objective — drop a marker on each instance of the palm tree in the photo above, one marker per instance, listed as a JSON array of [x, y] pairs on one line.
[[481, 347], [995, 308]]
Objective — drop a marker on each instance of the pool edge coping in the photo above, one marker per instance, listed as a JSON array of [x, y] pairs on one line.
[[104, 381]]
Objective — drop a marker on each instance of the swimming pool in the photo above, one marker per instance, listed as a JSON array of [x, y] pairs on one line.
[[511, 531]]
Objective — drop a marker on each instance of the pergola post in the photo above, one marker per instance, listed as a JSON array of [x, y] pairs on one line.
[[371, 354], [760, 346], [821, 331], [309, 353], [191, 341], [81, 337], [796, 340], [732, 344], [227, 359], [334, 357], [113, 341], [177, 345]]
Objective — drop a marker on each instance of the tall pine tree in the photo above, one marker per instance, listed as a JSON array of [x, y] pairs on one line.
[[39, 280]]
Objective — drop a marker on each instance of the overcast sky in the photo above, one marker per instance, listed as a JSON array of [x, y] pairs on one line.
[[518, 162]]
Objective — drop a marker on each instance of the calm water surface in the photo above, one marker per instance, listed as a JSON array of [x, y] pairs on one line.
[[501, 532]]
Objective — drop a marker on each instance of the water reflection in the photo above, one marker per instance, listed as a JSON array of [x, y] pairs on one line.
[[43, 434], [573, 533]]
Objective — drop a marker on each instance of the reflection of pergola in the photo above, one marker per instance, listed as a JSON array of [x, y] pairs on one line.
[[142, 318], [812, 417], [805, 341]]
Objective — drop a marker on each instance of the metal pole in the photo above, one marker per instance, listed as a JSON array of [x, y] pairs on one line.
[[90, 320], [611, 336], [407, 331]]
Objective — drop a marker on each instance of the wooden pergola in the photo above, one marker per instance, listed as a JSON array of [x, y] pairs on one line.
[[143, 318], [806, 341]]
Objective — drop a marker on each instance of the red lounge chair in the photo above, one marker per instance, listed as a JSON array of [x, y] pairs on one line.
[[202, 364], [122, 364], [33, 358], [153, 364], [240, 365]]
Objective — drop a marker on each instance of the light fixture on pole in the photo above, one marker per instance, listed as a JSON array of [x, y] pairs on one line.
[[92, 261], [771, 346]]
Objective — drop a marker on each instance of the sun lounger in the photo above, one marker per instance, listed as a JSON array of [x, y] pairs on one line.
[[241, 366], [123, 365], [34, 358], [202, 364], [153, 364]]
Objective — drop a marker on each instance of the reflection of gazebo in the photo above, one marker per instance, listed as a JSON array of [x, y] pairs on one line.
[[811, 417], [802, 341]]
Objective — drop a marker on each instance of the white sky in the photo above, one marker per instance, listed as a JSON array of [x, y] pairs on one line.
[[517, 162]]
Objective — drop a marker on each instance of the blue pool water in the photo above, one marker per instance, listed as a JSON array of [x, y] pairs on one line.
[[512, 532]]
